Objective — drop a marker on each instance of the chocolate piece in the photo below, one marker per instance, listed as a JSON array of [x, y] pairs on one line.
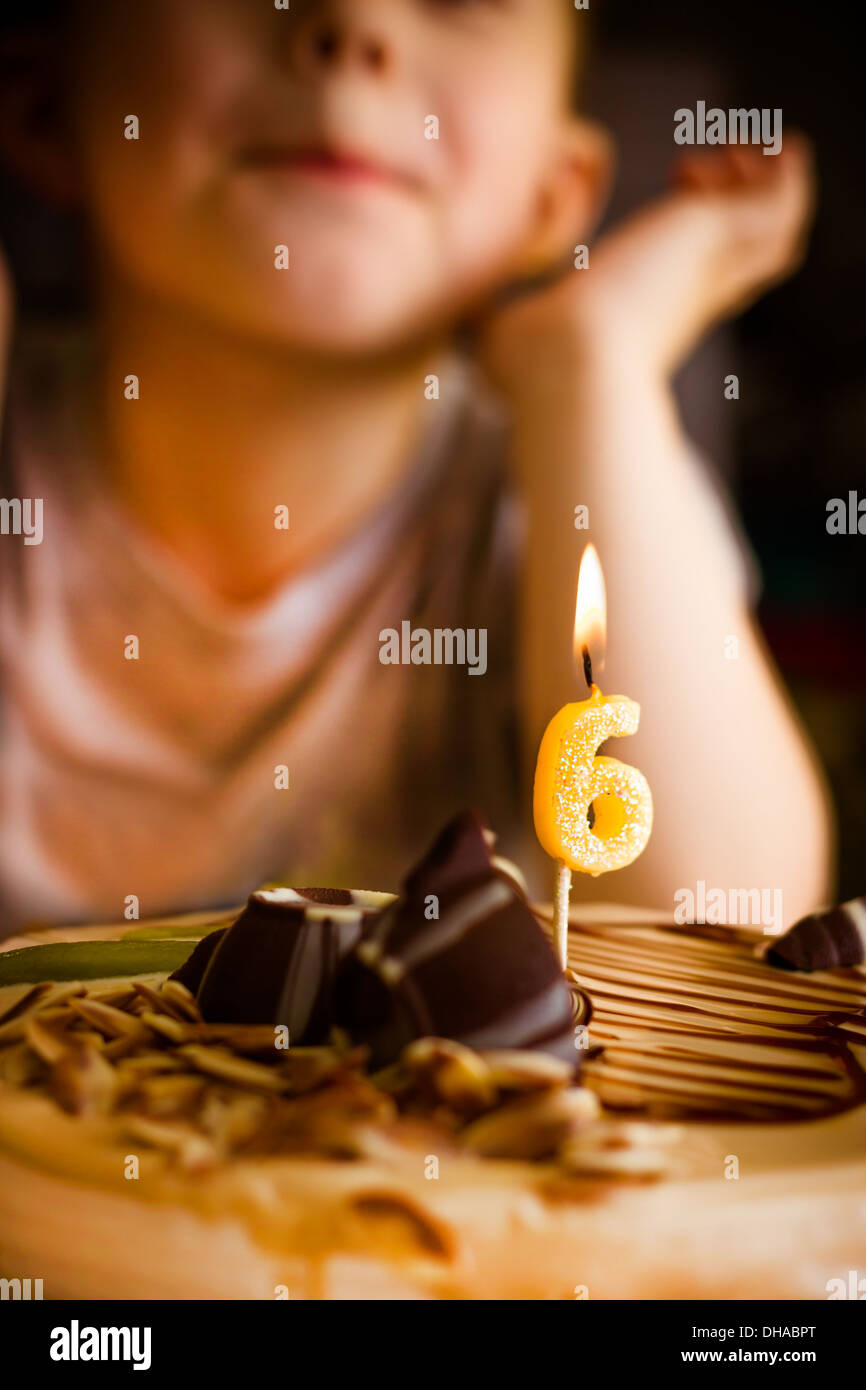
[[193, 968], [823, 940], [276, 963], [335, 897], [481, 971]]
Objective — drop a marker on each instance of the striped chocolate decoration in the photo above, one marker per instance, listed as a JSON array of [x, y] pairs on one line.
[[824, 940], [480, 971], [689, 1024], [278, 961]]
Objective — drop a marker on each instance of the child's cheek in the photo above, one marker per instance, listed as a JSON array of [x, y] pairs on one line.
[[179, 71], [491, 189]]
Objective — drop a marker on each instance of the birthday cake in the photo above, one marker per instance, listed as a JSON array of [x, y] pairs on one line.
[[336, 1094]]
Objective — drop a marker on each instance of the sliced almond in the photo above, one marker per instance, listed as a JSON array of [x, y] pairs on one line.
[[23, 1005], [217, 1061], [192, 1150], [83, 1082], [62, 993], [114, 1023], [120, 997], [47, 1042], [527, 1071], [170, 1028], [456, 1075], [532, 1127], [620, 1148], [79, 1034], [168, 1093], [119, 1048], [159, 1001], [183, 999], [150, 1062]]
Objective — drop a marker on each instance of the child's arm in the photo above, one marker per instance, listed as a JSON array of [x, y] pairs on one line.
[[738, 800]]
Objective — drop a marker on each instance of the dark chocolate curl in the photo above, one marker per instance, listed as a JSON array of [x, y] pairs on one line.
[[458, 955], [824, 940], [462, 851], [277, 962]]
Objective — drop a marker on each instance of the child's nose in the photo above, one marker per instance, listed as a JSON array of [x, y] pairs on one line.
[[339, 39]]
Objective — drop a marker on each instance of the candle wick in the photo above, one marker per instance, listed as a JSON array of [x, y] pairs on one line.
[[587, 667]]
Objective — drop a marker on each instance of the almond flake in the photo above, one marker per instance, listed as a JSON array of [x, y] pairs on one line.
[[82, 1082], [217, 1061], [114, 1023], [531, 1127]]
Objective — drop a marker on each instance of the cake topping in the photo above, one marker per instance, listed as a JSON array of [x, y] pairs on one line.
[[276, 964], [458, 955], [687, 1024], [191, 973], [823, 940], [140, 1064]]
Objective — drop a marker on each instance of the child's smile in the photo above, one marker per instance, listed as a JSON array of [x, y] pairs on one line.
[[335, 163]]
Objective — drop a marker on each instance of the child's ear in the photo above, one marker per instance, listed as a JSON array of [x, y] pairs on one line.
[[34, 136], [572, 194]]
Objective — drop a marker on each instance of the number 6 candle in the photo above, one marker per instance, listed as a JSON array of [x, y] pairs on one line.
[[591, 813]]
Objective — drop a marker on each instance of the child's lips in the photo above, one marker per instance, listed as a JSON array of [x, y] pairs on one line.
[[340, 168]]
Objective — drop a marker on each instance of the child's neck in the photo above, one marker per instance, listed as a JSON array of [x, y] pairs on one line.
[[227, 429]]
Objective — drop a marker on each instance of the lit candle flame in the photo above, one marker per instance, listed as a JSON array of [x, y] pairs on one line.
[[590, 616]]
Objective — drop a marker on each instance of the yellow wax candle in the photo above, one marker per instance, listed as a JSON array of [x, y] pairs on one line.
[[592, 814], [571, 779]]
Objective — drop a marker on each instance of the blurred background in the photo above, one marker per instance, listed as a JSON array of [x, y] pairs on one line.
[[797, 435]]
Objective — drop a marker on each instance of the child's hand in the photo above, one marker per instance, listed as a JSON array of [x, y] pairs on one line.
[[734, 224]]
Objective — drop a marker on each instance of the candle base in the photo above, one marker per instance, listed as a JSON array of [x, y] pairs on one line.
[[561, 896]]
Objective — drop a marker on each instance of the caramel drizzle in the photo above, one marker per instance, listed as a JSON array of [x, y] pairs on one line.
[[688, 1023]]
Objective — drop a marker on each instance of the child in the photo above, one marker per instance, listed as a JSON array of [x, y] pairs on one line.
[[248, 475]]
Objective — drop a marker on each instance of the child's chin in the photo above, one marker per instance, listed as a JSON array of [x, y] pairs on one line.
[[350, 340], [352, 327]]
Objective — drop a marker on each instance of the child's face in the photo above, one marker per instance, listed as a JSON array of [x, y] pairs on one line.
[[262, 127]]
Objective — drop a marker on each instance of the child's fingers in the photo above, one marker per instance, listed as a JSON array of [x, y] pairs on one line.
[[703, 173], [717, 171], [783, 195], [742, 168], [764, 199], [746, 170], [690, 172]]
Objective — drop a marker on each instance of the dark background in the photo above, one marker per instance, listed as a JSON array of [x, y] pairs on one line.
[[797, 435]]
